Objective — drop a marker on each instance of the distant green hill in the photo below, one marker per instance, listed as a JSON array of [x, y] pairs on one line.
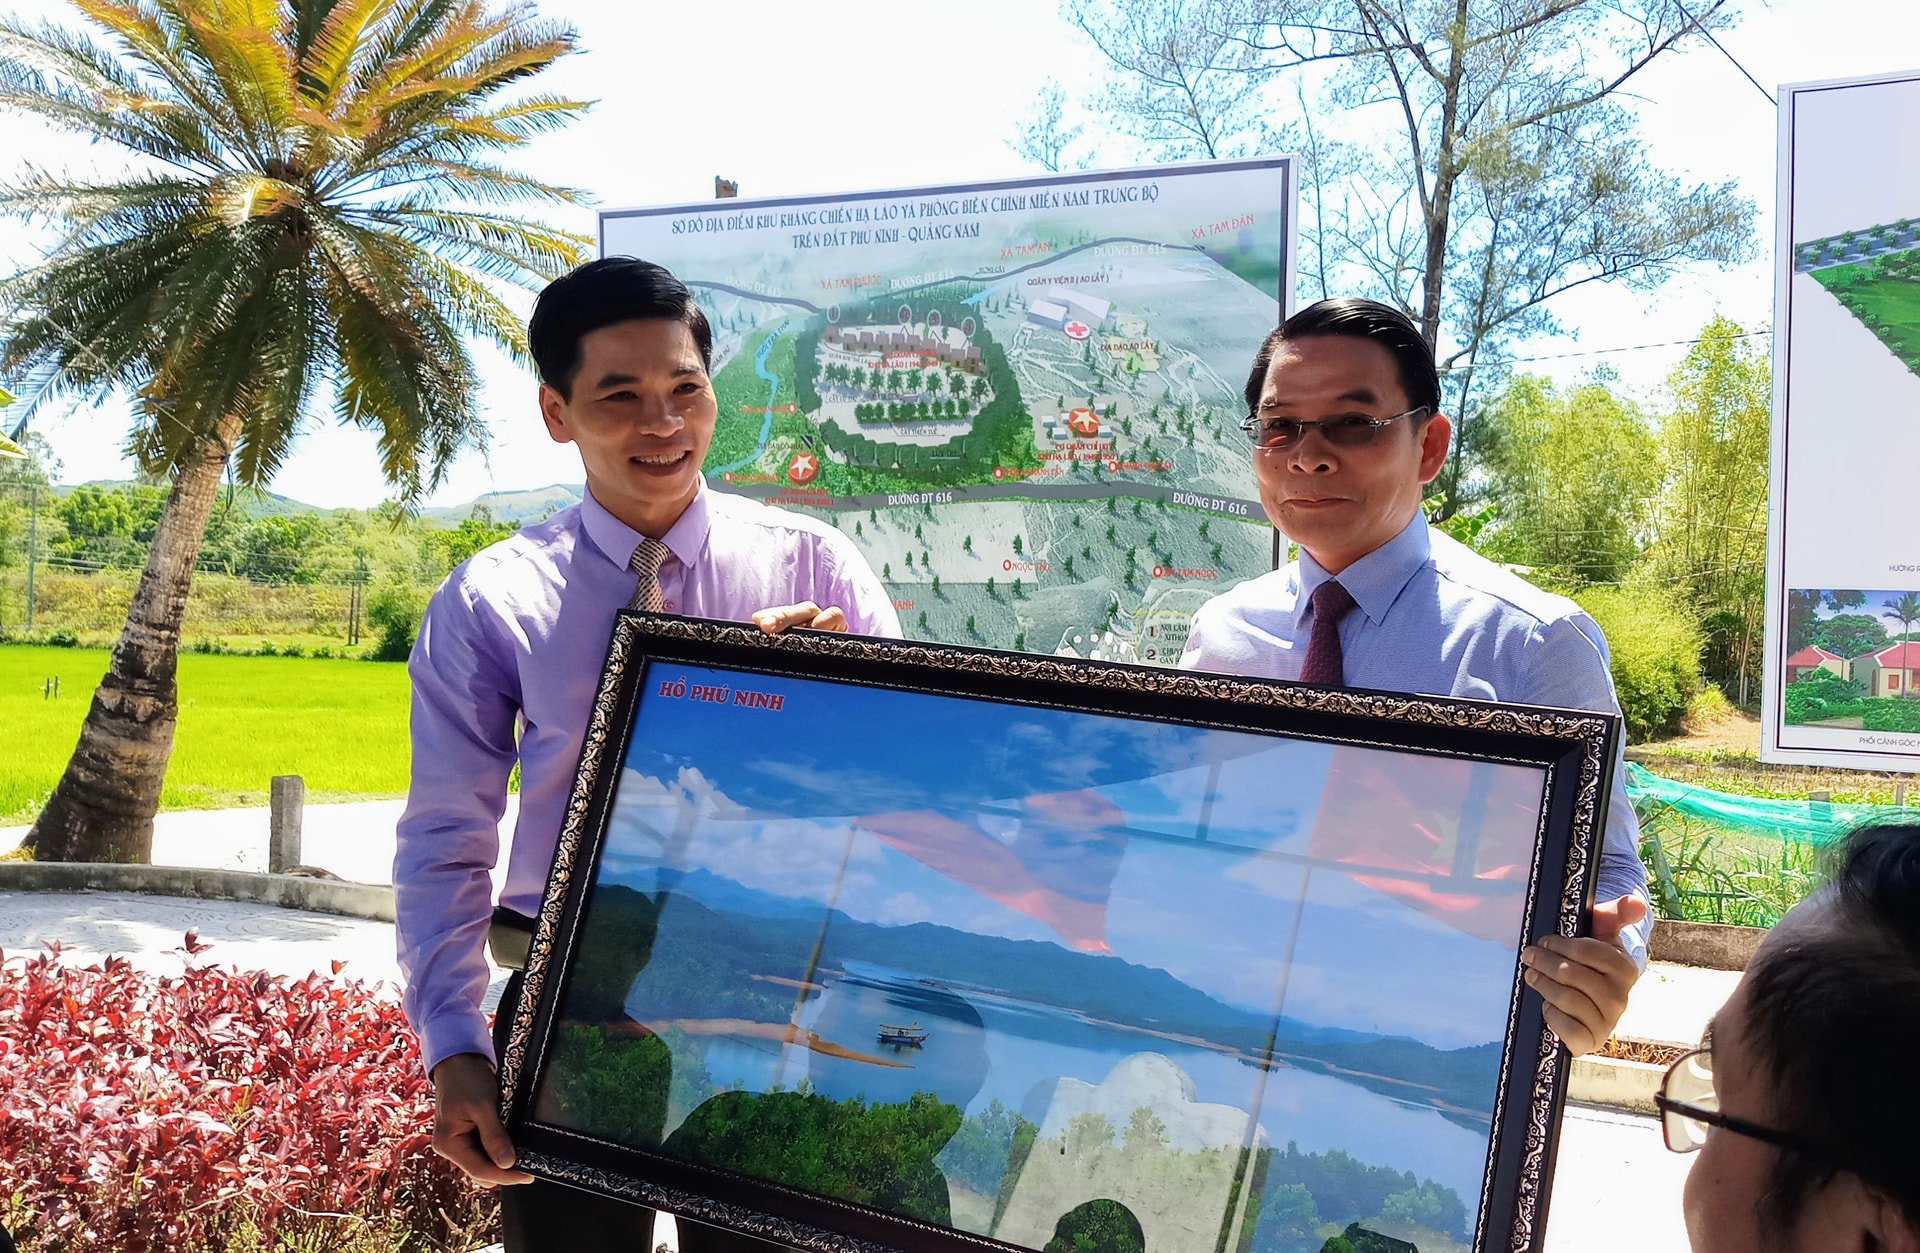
[[252, 505], [517, 507], [709, 959], [522, 507]]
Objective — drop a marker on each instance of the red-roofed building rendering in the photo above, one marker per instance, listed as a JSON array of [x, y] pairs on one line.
[[1893, 671], [1813, 657]]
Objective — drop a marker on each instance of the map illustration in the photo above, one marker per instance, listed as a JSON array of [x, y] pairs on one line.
[[1020, 400]]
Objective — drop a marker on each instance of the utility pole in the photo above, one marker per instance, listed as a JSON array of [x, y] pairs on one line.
[[33, 543]]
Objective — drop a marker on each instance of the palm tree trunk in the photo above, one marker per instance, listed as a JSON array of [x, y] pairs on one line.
[[103, 808]]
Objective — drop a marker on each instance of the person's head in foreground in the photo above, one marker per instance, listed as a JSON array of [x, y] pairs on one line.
[[1344, 411], [1804, 1103], [624, 356]]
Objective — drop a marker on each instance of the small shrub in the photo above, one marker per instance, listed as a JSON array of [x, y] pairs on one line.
[[394, 609], [1655, 647], [1884, 714], [216, 1110], [1709, 704]]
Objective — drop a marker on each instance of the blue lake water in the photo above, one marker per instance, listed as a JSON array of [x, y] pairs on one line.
[[982, 1047]]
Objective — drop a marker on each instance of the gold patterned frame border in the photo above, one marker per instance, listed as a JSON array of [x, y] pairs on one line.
[[1590, 733]]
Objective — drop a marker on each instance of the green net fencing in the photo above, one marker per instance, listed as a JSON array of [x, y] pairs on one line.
[[1744, 860], [1813, 822]]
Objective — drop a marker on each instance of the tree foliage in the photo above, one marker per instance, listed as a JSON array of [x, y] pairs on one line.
[[1572, 474], [317, 210], [1654, 641], [1712, 523], [1466, 161]]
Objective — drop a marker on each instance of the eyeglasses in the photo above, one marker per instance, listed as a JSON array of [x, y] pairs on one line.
[[1688, 1105], [1355, 431]]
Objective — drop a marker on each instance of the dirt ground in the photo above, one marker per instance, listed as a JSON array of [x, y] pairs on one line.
[[1723, 752]]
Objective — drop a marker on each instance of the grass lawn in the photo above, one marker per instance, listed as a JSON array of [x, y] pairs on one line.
[[341, 724], [1867, 291]]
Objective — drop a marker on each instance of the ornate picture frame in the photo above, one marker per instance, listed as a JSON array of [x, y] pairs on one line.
[[861, 946]]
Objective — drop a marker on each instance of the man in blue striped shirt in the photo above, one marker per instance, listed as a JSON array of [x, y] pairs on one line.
[[1346, 428]]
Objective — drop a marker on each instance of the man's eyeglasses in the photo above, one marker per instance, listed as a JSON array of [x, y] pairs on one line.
[[1688, 1105], [1354, 431]]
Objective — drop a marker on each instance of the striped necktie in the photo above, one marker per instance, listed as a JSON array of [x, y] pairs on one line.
[[1324, 665], [645, 563]]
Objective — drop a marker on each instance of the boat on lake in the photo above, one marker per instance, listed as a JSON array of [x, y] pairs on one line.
[[911, 1036]]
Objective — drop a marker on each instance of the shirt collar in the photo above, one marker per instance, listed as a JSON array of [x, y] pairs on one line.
[[1377, 579], [686, 539]]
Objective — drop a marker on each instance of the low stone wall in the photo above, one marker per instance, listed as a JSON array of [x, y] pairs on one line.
[[372, 901], [1707, 944]]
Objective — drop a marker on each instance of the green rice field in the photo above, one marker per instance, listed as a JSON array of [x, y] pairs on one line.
[[340, 724]]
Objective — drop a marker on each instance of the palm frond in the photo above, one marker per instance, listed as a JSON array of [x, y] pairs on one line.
[[327, 56], [500, 247], [108, 210], [288, 355], [238, 40], [153, 35], [72, 82], [330, 224], [405, 369]]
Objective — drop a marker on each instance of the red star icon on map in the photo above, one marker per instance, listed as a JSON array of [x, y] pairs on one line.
[[803, 469], [1084, 423]]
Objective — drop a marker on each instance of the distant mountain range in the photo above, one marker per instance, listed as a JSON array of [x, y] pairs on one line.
[[717, 922], [516, 507]]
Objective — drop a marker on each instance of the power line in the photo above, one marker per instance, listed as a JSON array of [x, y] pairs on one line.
[[1735, 61], [1609, 352]]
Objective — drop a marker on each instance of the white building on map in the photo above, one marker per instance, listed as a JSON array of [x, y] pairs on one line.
[[1089, 309], [1051, 314]]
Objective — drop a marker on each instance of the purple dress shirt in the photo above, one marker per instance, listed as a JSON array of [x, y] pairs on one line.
[[504, 670]]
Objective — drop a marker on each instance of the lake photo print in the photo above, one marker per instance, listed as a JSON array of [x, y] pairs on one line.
[[1065, 980]]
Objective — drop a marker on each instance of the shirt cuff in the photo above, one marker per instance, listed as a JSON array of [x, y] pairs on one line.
[[1637, 937], [449, 1035]]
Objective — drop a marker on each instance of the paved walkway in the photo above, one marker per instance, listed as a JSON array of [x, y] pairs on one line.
[[354, 841], [1616, 1184]]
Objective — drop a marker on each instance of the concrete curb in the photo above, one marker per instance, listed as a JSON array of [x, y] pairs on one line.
[[372, 901], [1707, 944], [1615, 1083]]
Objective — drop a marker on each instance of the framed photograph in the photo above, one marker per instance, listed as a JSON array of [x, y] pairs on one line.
[[865, 946]]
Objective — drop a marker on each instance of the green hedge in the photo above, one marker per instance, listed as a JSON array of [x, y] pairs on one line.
[[1655, 644]]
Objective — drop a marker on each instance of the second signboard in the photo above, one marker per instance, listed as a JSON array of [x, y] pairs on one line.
[[1843, 579], [1021, 400]]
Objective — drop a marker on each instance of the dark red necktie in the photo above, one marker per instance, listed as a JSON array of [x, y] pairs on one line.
[[1324, 664]]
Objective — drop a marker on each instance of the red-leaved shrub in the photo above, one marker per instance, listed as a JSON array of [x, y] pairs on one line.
[[140, 1112]]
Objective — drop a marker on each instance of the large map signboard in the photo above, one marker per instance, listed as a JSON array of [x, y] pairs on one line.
[[1021, 400], [1843, 571]]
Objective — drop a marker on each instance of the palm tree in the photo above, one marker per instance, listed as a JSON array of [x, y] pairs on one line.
[[1905, 611], [313, 211]]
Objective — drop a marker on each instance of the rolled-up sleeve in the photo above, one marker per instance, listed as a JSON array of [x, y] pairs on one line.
[[465, 704], [1568, 669]]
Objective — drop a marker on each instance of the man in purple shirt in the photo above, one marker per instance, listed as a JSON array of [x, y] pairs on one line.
[[507, 661]]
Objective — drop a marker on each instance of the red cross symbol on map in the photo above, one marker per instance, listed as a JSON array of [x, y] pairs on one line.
[[802, 469], [1077, 330]]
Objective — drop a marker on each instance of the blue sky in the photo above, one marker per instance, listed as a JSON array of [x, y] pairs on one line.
[[774, 793], [1876, 607], [685, 93]]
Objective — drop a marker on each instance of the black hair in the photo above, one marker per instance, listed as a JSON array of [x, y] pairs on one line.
[[604, 293], [1833, 1021], [1350, 317]]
